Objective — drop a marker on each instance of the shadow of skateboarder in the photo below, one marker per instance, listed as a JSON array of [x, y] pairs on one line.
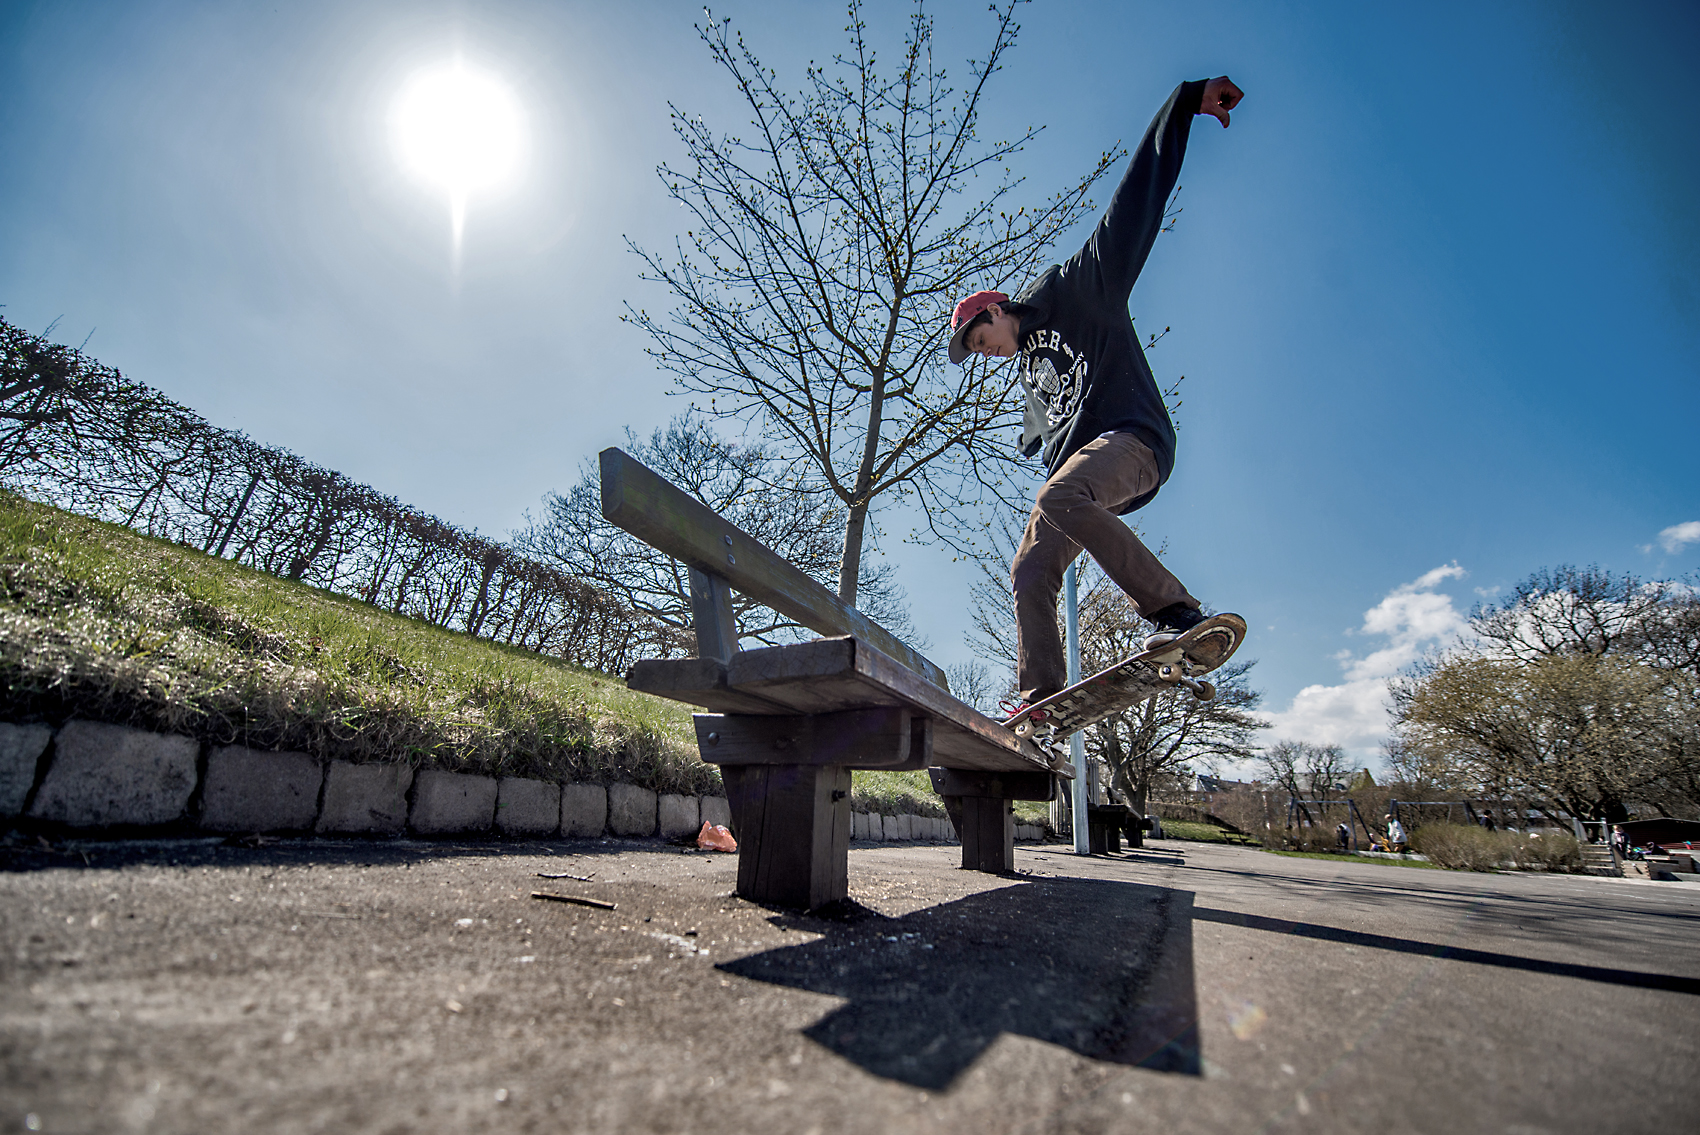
[[1101, 968]]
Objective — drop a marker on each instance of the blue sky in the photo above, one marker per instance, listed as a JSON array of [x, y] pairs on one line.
[[1435, 292]]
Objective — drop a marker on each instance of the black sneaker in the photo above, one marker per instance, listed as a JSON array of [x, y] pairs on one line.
[[1172, 622]]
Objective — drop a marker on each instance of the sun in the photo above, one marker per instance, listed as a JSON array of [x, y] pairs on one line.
[[461, 130]]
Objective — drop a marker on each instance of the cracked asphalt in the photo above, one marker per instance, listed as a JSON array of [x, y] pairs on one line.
[[311, 985]]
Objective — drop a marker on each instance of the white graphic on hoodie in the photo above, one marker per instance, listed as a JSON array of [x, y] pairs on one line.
[[1060, 392]]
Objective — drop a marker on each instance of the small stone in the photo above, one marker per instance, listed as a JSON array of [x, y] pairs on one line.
[[365, 799], [679, 816], [452, 803], [527, 807], [631, 810], [21, 747], [584, 810], [248, 791], [104, 775]]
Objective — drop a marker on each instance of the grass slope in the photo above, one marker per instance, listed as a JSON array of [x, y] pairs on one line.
[[100, 622]]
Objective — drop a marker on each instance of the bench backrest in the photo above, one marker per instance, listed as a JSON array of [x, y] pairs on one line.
[[643, 503]]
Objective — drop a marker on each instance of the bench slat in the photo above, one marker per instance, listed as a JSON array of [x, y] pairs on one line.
[[834, 675], [636, 499]]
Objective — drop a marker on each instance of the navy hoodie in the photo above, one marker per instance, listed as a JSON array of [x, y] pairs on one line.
[[1081, 363]]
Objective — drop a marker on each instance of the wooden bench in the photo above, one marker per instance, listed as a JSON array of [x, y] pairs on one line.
[[787, 724]]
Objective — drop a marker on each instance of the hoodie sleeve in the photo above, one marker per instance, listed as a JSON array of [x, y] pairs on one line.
[[1112, 259]]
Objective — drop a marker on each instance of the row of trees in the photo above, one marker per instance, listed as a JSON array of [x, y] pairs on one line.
[[79, 435]]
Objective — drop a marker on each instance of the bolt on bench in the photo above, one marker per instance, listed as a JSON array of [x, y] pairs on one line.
[[787, 724]]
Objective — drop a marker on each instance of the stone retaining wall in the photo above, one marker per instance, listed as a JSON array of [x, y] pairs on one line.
[[90, 777]]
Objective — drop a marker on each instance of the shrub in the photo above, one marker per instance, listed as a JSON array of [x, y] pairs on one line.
[[1549, 850], [1466, 847]]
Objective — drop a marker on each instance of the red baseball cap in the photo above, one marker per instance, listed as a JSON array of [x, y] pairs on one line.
[[964, 315]]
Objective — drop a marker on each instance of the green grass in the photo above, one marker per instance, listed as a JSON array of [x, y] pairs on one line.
[[890, 793], [99, 622], [1353, 858], [1206, 833]]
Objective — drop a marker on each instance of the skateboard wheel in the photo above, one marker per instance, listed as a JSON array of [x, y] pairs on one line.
[[1169, 673], [1024, 729], [1204, 691]]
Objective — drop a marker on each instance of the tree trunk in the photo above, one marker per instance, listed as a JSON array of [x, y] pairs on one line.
[[850, 568]]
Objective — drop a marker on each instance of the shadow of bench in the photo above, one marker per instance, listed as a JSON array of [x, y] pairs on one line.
[[787, 724]]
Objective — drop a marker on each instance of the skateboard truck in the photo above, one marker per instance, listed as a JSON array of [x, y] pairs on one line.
[[1172, 668]]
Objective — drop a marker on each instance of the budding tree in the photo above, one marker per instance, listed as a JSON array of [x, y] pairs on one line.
[[826, 244]]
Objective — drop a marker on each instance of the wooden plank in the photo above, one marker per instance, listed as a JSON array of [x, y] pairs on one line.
[[696, 681], [641, 502], [793, 829], [881, 738], [987, 831], [711, 615], [1001, 785]]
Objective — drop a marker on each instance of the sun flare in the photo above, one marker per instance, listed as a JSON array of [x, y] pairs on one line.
[[461, 130]]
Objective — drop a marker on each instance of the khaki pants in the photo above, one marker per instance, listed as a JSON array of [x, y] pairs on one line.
[[1076, 510]]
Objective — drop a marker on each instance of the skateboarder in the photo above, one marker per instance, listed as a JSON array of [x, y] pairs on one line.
[[1093, 407]]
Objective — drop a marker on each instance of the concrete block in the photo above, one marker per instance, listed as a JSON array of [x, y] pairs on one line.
[[21, 747], [858, 825], [678, 815], [584, 810], [716, 810], [876, 826], [103, 775], [365, 799], [527, 807], [248, 791], [631, 810], [452, 803], [897, 827]]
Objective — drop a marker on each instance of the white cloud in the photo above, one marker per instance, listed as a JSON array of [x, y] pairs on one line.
[[1413, 618], [1677, 536]]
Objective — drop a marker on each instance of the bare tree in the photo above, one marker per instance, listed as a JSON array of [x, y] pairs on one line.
[[1570, 610], [1306, 771], [824, 249]]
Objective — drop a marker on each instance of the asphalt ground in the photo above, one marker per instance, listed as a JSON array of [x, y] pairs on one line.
[[406, 987]]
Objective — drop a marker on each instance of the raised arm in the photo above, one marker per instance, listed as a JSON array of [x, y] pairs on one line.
[[1116, 252]]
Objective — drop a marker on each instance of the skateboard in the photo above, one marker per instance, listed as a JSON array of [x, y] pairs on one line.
[[1179, 663]]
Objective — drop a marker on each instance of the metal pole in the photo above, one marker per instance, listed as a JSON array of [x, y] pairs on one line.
[[1077, 743]]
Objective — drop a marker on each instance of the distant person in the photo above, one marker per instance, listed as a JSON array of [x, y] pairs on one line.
[[1094, 412], [1396, 834], [1487, 821], [1343, 836]]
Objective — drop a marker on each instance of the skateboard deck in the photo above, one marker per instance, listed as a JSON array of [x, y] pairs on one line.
[[1132, 680]]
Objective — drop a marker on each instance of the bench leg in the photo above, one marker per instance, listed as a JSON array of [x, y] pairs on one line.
[[793, 829], [986, 826]]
